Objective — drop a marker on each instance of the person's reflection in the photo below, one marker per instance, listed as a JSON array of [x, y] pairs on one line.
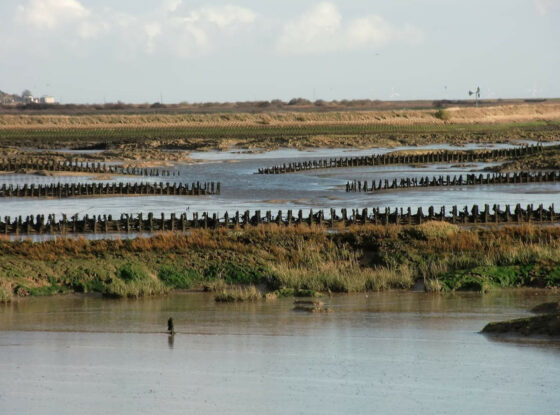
[[171, 341]]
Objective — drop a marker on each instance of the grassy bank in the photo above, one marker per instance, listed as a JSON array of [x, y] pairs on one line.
[[285, 129], [466, 115], [284, 260], [150, 139]]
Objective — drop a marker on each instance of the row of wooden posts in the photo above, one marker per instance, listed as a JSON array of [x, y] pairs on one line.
[[457, 180], [41, 224], [14, 165], [65, 190], [440, 156]]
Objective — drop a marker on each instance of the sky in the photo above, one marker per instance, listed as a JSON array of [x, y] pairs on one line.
[[94, 51]]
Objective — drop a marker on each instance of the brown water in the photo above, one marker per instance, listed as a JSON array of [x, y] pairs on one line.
[[396, 352]]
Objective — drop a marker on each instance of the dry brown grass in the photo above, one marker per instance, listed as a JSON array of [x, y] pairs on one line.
[[361, 258], [238, 294], [459, 115], [6, 291]]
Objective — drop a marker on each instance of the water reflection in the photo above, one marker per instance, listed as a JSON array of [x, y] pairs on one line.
[[397, 352]]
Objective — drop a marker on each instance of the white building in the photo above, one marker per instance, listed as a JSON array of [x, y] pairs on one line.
[[30, 99], [45, 99]]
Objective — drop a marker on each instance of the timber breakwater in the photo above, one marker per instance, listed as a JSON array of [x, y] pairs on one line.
[[66, 190], [16, 165], [426, 157], [50, 224], [448, 181]]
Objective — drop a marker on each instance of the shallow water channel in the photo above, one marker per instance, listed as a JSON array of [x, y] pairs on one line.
[[242, 189], [393, 352]]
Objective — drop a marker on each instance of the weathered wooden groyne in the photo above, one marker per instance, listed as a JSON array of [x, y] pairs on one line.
[[448, 181], [428, 157], [106, 224], [15, 165], [65, 190]]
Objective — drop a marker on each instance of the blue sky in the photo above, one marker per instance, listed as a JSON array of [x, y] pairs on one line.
[[182, 50]]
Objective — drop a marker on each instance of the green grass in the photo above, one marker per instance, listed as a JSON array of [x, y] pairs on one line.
[[233, 272], [130, 272], [270, 135], [487, 277], [294, 261], [176, 277]]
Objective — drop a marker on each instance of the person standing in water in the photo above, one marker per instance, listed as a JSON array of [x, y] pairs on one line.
[[170, 326]]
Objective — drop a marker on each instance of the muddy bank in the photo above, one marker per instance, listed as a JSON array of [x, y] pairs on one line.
[[544, 325], [546, 308], [146, 155], [547, 323], [549, 160]]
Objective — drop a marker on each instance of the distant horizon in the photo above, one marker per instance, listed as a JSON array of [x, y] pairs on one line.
[[286, 101]]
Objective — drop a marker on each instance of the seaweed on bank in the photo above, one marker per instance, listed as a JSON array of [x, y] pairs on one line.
[[288, 261], [547, 308], [543, 325]]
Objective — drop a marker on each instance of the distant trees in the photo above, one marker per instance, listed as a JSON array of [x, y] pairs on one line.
[[299, 101]]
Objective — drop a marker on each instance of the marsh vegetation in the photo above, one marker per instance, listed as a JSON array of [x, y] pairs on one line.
[[144, 134], [288, 261]]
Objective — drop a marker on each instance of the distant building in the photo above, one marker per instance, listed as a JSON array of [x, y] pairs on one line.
[[25, 98], [30, 99], [7, 100]]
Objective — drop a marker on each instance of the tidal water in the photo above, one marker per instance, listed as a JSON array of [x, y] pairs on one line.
[[242, 189], [392, 352]]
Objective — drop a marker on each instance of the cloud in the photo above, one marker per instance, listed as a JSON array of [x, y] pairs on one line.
[[323, 29], [51, 13], [56, 14], [152, 31], [313, 32], [171, 5], [545, 7], [173, 28], [224, 16], [183, 32]]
